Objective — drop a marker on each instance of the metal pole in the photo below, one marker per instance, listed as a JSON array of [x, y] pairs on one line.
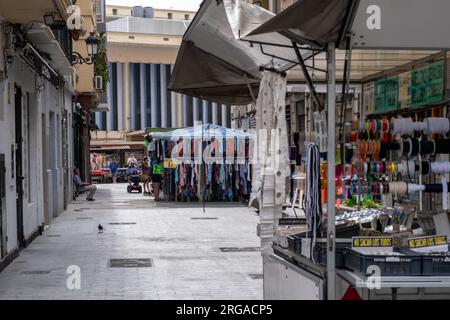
[[308, 78], [331, 198]]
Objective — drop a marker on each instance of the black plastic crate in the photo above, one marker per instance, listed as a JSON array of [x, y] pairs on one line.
[[409, 264], [320, 252], [295, 242], [436, 264]]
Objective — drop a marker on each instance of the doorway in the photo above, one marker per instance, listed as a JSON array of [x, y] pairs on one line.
[[19, 166], [2, 209], [45, 169]]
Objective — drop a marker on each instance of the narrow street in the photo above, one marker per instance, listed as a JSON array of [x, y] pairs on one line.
[[183, 243]]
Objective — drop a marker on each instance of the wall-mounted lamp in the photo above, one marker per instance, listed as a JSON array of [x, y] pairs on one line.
[[92, 43]]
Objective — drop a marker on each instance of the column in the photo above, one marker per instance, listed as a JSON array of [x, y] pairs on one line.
[[133, 96], [120, 107], [99, 120], [205, 112], [110, 114], [179, 110], [126, 96], [224, 116], [185, 111], [143, 91], [163, 81], [195, 110], [154, 94], [214, 111], [173, 105]]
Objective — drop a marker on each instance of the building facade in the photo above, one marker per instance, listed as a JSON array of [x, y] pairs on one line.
[[142, 47], [39, 94]]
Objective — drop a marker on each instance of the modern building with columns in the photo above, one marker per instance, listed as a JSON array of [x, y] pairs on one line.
[[142, 49]]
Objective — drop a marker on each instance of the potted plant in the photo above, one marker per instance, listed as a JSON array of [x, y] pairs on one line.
[[101, 60]]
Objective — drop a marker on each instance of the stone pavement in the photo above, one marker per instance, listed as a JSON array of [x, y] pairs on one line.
[[187, 262]]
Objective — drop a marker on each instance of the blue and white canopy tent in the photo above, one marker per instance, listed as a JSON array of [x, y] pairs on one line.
[[222, 175], [202, 131]]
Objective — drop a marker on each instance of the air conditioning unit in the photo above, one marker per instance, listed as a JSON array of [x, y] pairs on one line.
[[98, 83]]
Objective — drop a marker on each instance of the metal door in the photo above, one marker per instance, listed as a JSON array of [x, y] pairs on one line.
[[2, 202]]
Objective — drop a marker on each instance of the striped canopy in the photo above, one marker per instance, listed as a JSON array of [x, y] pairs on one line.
[[205, 131]]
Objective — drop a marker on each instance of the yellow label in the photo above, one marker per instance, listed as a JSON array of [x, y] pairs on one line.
[[169, 163], [427, 241], [376, 242]]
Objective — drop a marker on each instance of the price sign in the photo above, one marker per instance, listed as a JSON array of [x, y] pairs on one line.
[[423, 242], [169, 163], [372, 242]]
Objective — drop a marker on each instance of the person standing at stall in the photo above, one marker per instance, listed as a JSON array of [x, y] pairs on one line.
[[157, 170], [146, 173]]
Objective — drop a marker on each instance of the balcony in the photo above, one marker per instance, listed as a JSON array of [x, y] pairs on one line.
[[25, 11], [56, 45]]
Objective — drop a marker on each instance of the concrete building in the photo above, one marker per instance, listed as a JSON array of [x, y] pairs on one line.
[[40, 90], [142, 48]]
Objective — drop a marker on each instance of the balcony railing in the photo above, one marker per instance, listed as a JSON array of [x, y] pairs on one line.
[[64, 39]]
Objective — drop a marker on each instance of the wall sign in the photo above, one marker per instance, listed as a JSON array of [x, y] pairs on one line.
[[40, 65]]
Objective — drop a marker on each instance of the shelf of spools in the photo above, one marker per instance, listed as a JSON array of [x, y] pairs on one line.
[[413, 147]]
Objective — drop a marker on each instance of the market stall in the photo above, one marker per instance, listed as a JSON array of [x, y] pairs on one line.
[[205, 163], [380, 243], [395, 160]]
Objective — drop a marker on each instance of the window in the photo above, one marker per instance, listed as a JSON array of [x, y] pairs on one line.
[[114, 12], [186, 17], [166, 39], [131, 37], [169, 15]]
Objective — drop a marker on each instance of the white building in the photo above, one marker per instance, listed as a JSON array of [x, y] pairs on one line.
[[38, 98]]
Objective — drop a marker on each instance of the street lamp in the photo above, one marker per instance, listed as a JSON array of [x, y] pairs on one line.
[[92, 43]]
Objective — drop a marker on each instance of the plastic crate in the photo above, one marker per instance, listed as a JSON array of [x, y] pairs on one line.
[[295, 242], [410, 264], [320, 252], [436, 265]]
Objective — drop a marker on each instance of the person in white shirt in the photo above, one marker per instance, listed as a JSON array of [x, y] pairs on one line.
[[132, 162]]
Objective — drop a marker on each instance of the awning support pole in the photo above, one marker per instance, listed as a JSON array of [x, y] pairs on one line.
[[306, 74], [331, 161]]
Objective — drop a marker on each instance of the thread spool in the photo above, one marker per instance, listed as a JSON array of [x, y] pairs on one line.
[[443, 146], [426, 167], [415, 147], [436, 125], [405, 147], [440, 167], [427, 147]]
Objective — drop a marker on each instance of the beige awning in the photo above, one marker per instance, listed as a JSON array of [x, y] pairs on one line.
[[214, 64], [313, 22]]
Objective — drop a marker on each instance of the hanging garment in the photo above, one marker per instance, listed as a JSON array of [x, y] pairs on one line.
[[177, 175], [243, 170], [240, 151]]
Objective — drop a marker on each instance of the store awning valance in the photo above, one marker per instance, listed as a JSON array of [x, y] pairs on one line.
[[214, 64], [205, 131]]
